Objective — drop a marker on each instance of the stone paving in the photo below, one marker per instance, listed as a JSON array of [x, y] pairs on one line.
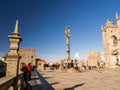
[[38, 82], [108, 79]]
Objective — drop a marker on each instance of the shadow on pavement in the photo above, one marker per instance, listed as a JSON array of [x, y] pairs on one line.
[[47, 77], [54, 83], [44, 84], [73, 87]]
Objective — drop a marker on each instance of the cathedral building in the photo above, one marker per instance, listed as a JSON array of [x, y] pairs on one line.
[[111, 43]]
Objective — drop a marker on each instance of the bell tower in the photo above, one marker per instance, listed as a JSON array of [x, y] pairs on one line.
[[111, 43]]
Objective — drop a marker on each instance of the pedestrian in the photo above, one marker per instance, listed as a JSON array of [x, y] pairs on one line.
[[117, 63], [98, 66], [29, 70], [33, 68], [102, 64], [24, 69]]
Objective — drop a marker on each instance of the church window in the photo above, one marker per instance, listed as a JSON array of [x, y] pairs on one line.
[[114, 40]]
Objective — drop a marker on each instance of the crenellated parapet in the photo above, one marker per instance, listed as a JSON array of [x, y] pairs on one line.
[[28, 49], [108, 24]]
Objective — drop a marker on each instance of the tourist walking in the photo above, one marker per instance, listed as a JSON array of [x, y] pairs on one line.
[[24, 69], [29, 70], [98, 66]]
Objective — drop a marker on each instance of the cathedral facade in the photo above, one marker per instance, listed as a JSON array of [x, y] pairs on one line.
[[111, 43]]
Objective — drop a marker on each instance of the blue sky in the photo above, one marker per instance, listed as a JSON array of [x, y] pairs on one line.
[[42, 24]]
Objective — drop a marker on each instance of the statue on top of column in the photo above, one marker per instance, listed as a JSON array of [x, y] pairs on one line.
[[67, 32]]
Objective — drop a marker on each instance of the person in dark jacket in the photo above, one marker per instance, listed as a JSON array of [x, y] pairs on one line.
[[25, 73]]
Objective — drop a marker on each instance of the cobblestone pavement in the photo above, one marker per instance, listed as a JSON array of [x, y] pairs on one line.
[[108, 79]]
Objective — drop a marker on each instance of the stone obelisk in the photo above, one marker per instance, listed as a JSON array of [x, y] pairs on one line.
[[13, 57], [67, 36]]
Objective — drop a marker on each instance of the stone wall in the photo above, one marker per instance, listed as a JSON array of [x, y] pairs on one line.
[[28, 55], [92, 58], [12, 83]]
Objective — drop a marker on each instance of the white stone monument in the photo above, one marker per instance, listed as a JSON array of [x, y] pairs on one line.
[[67, 36]]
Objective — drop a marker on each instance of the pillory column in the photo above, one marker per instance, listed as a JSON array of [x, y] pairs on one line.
[[67, 35], [13, 56]]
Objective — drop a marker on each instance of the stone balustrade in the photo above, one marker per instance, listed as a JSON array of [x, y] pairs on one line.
[[12, 83]]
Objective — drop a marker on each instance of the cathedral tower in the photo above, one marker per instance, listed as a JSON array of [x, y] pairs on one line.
[[111, 43]]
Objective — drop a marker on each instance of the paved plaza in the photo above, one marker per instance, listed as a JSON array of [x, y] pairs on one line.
[[107, 79]]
